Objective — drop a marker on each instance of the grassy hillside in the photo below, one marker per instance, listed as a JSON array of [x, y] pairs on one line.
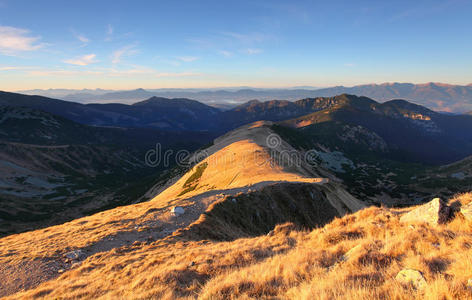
[[354, 257]]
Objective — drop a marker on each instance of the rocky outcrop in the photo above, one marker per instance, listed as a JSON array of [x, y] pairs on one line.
[[434, 212]]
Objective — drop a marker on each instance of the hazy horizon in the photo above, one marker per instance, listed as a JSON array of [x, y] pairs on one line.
[[210, 44]]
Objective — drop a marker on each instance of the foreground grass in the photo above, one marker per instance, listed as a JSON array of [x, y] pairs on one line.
[[287, 264]]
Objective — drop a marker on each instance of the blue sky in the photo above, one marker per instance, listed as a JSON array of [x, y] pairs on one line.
[[162, 44]]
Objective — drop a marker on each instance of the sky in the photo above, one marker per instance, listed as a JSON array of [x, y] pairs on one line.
[[202, 44]]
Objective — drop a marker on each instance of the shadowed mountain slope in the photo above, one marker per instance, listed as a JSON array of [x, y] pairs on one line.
[[412, 132], [54, 170]]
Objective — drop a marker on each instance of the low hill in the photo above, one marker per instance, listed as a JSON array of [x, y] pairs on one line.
[[160, 113], [169, 114], [242, 186]]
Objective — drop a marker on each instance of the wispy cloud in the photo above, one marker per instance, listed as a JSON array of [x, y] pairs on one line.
[[426, 9], [82, 60], [187, 58], [252, 51], [110, 29], [125, 51], [225, 53], [246, 38], [14, 40], [350, 65], [62, 72], [12, 68], [82, 38], [233, 42], [109, 72], [109, 33], [182, 74]]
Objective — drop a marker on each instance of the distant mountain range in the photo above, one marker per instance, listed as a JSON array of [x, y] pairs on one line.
[[436, 96], [414, 132]]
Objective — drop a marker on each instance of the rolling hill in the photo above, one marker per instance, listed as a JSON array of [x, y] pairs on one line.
[[160, 113]]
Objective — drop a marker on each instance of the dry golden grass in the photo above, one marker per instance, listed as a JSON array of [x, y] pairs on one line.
[[287, 264]]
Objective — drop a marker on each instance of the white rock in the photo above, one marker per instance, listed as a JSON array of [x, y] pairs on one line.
[[177, 210], [411, 277]]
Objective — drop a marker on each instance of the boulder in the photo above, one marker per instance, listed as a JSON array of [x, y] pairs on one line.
[[411, 277], [177, 210], [75, 255], [354, 250], [466, 211], [434, 212]]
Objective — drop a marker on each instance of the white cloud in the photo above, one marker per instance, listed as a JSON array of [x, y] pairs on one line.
[[252, 51], [82, 60], [118, 55], [14, 40], [187, 58], [350, 65]]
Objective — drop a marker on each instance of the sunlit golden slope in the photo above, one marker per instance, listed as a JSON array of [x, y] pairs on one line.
[[255, 187], [250, 155], [354, 257]]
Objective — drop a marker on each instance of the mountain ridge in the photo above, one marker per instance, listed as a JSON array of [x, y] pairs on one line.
[[437, 96]]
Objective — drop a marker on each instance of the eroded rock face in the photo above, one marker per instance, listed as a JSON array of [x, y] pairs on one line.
[[434, 212], [411, 277]]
